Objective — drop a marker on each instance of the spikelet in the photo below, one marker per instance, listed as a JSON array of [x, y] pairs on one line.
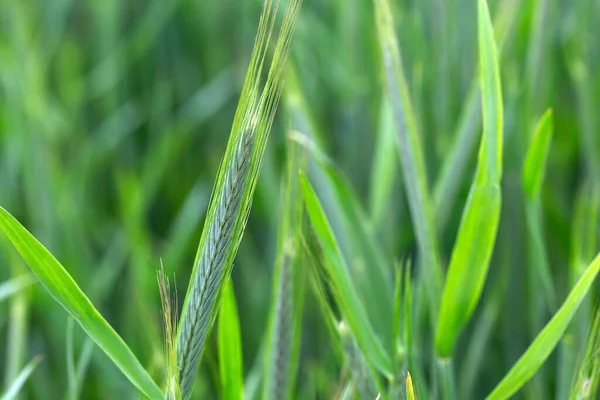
[[232, 195], [169, 314]]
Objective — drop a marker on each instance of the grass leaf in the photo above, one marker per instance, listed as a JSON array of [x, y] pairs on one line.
[[411, 154], [477, 232], [352, 308], [546, 341], [368, 268], [230, 347], [65, 291], [537, 154], [18, 383]]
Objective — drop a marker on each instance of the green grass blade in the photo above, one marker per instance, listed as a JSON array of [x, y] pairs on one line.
[[537, 353], [71, 375], [352, 231], [18, 383], [230, 347], [477, 232], [19, 323], [532, 177], [468, 265], [537, 154], [65, 291], [411, 154], [448, 183], [385, 161], [407, 322], [288, 284], [14, 285], [80, 370], [352, 308]]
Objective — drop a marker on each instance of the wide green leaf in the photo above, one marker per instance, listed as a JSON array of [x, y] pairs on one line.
[[230, 347], [347, 298], [477, 232], [546, 341], [65, 291]]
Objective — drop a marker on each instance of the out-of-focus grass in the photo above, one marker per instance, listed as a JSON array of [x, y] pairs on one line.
[[113, 120]]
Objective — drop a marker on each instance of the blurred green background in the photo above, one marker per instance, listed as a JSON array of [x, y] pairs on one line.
[[114, 116]]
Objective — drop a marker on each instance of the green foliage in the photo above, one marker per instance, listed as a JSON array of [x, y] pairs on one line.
[[65, 291], [230, 347], [546, 341], [477, 232], [410, 151], [14, 388], [346, 295], [534, 167], [286, 310], [122, 128]]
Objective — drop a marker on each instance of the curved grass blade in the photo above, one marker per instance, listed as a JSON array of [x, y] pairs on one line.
[[347, 297], [477, 232], [411, 155], [539, 274], [368, 267], [537, 353], [65, 291], [385, 160], [18, 383], [448, 183], [230, 347], [232, 196]]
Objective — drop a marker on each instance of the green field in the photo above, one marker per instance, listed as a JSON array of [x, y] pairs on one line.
[[325, 199]]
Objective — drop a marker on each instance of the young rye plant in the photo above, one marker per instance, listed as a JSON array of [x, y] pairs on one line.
[[225, 222], [432, 292], [232, 195]]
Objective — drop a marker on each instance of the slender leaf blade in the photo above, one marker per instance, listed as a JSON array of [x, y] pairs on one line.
[[476, 237], [352, 308], [411, 154], [537, 155], [18, 383], [65, 291], [230, 347], [537, 353]]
